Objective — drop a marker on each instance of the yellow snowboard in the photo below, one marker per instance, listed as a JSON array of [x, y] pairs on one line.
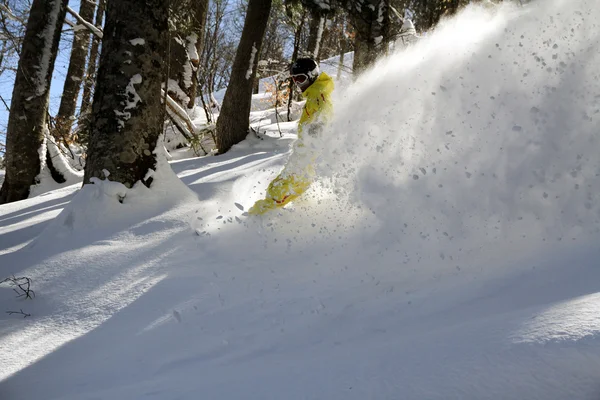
[[280, 192]]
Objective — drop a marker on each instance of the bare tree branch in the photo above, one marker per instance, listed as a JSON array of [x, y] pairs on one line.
[[25, 315], [21, 285], [5, 104]]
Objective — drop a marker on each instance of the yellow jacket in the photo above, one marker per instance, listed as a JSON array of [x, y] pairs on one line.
[[318, 105]]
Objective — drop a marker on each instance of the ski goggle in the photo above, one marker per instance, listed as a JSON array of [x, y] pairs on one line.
[[299, 79]]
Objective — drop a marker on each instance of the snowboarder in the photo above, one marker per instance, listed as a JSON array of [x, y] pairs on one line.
[[297, 175]]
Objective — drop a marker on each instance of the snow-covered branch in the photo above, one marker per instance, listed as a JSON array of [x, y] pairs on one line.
[[176, 109], [88, 25]]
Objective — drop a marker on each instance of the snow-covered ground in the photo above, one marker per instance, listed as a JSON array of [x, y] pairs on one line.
[[449, 249]]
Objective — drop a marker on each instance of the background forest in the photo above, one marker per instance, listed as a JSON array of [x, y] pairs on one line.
[[201, 48]]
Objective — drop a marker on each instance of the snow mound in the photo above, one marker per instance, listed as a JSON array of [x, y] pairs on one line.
[[110, 205]]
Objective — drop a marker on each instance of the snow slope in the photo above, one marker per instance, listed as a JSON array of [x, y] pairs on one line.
[[448, 251]]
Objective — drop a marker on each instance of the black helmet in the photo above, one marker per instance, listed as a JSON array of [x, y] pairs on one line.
[[304, 72], [306, 66]]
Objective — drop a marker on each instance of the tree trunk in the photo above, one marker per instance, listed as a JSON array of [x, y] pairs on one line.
[[178, 61], [31, 93], [297, 35], [127, 114], [185, 47], [86, 98], [342, 55], [315, 33], [199, 28], [209, 55], [68, 102], [362, 55], [370, 22], [232, 125], [386, 27]]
